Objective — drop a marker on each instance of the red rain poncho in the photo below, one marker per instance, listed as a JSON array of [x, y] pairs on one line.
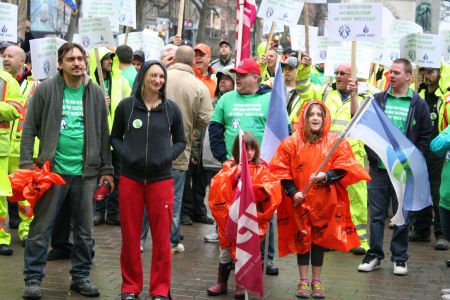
[[30, 185], [266, 188], [323, 218]]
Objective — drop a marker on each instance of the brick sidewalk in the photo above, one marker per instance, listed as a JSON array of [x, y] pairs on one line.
[[196, 269]]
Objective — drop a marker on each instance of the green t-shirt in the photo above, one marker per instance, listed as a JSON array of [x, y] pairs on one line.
[[129, 74], [69, 149], [397, 109], [246, 112]]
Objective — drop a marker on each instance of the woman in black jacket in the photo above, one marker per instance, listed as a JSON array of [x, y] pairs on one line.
[[148, 133]]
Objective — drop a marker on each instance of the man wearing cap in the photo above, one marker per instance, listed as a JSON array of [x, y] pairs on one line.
[[224, 58], [435, 92], [125, 55], [138, 59], [202, 69], [245, 108], [116, 89], [293, 103], [338, 99]]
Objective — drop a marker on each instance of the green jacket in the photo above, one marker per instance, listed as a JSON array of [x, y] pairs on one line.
[[11, 107], [119, 86], [441, 147]]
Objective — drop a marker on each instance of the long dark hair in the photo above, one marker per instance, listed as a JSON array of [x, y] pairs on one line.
[[309, 135], [250, 141]]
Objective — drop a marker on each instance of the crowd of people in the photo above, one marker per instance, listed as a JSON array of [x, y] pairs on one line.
[[157, 133]]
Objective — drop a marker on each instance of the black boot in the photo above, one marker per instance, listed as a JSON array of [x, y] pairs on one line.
[[221, 287]]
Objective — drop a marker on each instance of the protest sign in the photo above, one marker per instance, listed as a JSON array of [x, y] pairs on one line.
[[283, 12], [44, 56], [445, 34], [298, 39], [424, 50], [135, 40], [267, 25], [127, 13], [337, 55], [391, 45], [102, 8], [354, 21], [377, 49], [8, 22], [153, 45], [95, 32], [320, 49]]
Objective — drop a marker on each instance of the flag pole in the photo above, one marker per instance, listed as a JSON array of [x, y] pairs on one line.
[[99, 71], [240, 29], [180, 18], [127, 31], [306, 18], [269, 38], [343, 134]]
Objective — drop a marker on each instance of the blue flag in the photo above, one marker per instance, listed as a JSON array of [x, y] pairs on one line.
[[277, 123], [72, 5], [404, 163]]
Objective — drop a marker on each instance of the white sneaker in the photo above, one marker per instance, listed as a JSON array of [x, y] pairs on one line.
[[446, 297], [178, 248], [369, 264], [400, 268], [211, 238], [445, 291]]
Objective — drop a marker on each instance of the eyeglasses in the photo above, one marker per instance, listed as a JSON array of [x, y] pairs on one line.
[[341, 73]]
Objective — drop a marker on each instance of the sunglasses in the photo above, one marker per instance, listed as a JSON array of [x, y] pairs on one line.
[[341, 73]]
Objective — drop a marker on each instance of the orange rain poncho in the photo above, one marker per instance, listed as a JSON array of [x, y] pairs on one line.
[[32, 184], [323, 218], [266, 188]]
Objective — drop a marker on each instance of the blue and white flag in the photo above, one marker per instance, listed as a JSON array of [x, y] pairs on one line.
[[277, 123], [72, 5], [404, 162]]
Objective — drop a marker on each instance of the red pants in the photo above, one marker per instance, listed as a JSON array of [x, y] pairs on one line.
[[158, 198]]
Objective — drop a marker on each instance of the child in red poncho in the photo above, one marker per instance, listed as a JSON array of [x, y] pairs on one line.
[[267, 191], [320, 219]]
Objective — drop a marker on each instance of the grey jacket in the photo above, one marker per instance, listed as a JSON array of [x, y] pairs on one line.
[[43, 120]]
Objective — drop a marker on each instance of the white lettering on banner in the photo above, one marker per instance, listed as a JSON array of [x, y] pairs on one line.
[[8, 22], [247, 110]]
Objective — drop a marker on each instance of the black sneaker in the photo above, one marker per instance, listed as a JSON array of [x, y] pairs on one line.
[[203, 220], [185, 220], [99, 220], [85, 288], [418, 238], [6, 250], [32, 290], [127, 296]]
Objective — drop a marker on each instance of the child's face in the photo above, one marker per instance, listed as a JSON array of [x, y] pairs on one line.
[[250, 153]]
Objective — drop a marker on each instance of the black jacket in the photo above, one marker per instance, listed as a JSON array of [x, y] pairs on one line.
[[147, 141], [418, 124]]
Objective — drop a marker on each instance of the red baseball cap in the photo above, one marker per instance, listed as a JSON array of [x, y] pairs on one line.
[[203, 48], [247, 66]]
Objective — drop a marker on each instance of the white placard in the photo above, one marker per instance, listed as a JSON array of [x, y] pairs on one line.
[[320, 49], [391, 45], [8, 22], [147, 41], [127, 14], [297, 33], [135, 40], [424, 50], [102, 8], [44, 56], [284, 12], [267, 25], [354, 21], [445, 34], [377, 49], [388, 19], [315, 1], [95, 32], [342, 54], [153, 45]]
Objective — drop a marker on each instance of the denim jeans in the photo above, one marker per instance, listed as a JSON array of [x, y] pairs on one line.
[[271, 250], [179, 177], [445, 222], [380, 194], [79, 191]]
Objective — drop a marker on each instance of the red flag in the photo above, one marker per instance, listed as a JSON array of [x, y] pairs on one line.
[[242, 229], [249, 19]]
